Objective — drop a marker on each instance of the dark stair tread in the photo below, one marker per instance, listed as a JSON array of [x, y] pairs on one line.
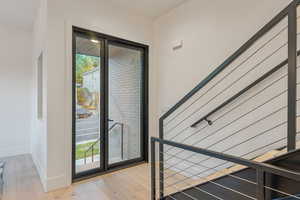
[[222, 192], [191, 194], [248, 174], [204, 191], [288, 198], [178, 196], [198, 194], [239, 185], [290, 161]]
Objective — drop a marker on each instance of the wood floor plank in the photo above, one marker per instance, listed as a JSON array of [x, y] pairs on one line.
[[22, 183]]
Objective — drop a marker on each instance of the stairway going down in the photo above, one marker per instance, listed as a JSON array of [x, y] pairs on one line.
[[236, 135]]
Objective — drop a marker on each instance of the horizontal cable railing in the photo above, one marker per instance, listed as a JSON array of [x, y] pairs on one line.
[[201, 139], [250, 104], [226, 150], [228, 87], [270, 55], [266, 75], [185, 183], [168, 131], [231, 71], [234, 108]]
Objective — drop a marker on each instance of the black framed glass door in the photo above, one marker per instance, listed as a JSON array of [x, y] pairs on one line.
[[87, 107], [110, 103], [125, 72]]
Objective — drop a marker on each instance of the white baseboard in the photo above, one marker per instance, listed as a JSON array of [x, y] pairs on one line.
[[51, 183], [56, 182], [14, 151], [41, 171]]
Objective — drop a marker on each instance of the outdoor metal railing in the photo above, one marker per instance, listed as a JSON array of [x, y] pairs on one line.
[[2, 165], [174, 124], [92, 147]]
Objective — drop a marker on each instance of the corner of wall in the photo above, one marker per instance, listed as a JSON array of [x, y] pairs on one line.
[[15, 150], [56, 182], [38, 143], [41, 171]]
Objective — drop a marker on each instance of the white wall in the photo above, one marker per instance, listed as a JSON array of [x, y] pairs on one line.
[[15, 86], [39, 126], [95, 15], [211, 32]]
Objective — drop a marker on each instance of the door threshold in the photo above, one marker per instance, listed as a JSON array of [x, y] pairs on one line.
[[76, 180]]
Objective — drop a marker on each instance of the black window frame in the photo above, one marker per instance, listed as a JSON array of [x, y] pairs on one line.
[[107, 40]]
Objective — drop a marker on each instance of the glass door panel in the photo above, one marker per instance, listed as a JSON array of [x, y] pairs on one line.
[[87, 104], [109, 103], [124, 103]]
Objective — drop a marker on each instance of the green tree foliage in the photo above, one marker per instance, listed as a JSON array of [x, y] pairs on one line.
[[82, 95], [85, 63], [81, 149]]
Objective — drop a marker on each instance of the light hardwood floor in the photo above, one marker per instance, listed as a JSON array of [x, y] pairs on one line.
[[22, 183]]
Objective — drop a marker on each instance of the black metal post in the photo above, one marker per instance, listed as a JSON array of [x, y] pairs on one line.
[[292, 75], [268, 183], [93, 153], [122, 141], [153, 171], [161, 159], [260, 189]]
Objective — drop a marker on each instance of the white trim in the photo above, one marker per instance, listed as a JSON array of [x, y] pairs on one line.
[[68, 93], [14, 150], [68, 85], [68, 102], [68, 90], [41, 172], [56, 182]]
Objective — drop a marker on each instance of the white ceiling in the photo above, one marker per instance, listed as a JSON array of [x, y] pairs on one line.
[[18, 13], [21, 13], [149, 8]]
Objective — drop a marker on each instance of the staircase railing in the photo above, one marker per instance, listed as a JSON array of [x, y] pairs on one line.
[[243, 91], [262, 170], [290, 12], [92, 147]]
